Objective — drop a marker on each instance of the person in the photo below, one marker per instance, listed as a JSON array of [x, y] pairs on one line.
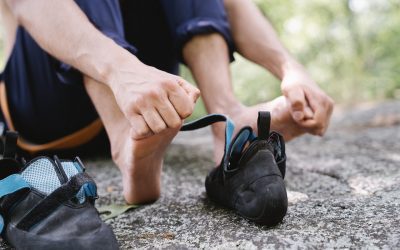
[[76, 66]]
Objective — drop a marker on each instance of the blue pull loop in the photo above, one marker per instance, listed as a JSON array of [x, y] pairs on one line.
[[211, 119], [90, 190], [1, 224], [229, 129]]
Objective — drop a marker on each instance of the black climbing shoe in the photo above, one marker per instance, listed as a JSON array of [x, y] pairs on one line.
[[49, 204], [249, 179]]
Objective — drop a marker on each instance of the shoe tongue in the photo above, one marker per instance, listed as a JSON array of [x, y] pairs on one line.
[[238, 145], [45, 175], [41, 174]]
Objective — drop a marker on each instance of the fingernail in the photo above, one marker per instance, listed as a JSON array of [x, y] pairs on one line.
[[298, 115]]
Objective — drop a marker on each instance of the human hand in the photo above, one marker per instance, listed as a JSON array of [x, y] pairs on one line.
[[152, 100], [310, 107]]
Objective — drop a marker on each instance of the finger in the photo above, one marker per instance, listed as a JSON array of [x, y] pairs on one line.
[[321, 112], [136, 137], [181, 102], [154, 120], [169, 115], [308, 113], [309, 125], [191, 90], [330, 103], [139, 128], [321, 132], [297, 102]]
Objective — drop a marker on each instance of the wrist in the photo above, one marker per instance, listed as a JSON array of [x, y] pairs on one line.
[[282, 64], [118, 63], [296, 75], [290, 67]]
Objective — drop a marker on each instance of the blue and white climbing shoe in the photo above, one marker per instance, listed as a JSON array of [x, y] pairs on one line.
[[49, 204], [250, 176]]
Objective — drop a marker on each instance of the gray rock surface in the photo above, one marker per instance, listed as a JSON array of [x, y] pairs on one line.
[[344, 192]]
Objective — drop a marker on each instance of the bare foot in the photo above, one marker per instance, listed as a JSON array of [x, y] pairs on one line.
[[140, 163], [281, 121]]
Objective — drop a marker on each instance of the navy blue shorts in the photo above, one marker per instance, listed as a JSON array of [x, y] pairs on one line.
[[46, 98]]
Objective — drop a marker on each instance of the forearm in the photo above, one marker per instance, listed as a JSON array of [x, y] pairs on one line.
[[256, 39], [64, 31]]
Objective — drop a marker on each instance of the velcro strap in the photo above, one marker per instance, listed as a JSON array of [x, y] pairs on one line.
[[263, 124], [210, 119], [10, 185], [51, 202]]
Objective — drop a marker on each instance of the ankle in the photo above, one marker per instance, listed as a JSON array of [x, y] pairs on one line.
[[146, 195], [231, 109]]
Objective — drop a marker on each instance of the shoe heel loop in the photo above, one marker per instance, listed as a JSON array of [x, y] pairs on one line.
[[10, 145], [263, 124], [211, 119]]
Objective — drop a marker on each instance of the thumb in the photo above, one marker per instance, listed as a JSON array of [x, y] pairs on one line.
[[191, 90], [297, 101]]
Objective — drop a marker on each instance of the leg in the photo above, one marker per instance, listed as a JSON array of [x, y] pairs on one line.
[[46, 97], [207, 57], [256, 40], [140, 161], [202, 35], [65, 104]]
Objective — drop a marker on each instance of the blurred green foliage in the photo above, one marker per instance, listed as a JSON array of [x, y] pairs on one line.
[[350, 47]]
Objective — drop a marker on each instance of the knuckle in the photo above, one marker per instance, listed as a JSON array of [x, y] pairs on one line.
[[130, 109], [135, 135], [196, 92], [154, 93], [285, 92], [180, 80], [186, 114], [285, 89], [139, 132], [187, 111], [159, 128], [170, 84], [177, 123], [139, 101]]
